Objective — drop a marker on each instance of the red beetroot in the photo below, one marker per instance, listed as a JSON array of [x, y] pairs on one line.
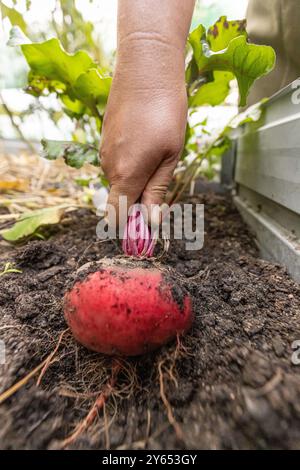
[[127, 308]]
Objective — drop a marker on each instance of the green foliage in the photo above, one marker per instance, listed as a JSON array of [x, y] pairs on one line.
[[217, 38], [75, 78], [9, 268], [218, 55], [83, 182], [223, 31], [50, 61], [29, 223], [247, 62], [92, 89], [221, 54], [74, 32], [214, 92], [74, 154]]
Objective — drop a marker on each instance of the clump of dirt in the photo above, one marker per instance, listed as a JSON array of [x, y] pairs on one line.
[[229, 384]]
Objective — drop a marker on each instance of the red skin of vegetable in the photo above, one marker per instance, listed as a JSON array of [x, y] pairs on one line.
[[126, 311]]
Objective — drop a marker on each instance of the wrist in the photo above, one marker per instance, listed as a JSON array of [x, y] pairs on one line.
[[148, 60]]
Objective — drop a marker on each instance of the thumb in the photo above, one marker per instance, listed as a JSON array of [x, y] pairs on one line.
[[156, 189]]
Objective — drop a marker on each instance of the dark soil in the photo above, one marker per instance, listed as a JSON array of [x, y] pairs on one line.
[[230, 382]]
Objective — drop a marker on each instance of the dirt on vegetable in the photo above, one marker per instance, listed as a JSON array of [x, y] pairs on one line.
[[230, 383], [127, 309]]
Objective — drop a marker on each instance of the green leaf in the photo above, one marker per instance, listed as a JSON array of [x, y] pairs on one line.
[[192, 72], [38, 84], [75, 78], [48, 59], [92, 89], [32, 221], [197, 38], [75, 154], [83, 182], [15, 18], [225, 49], [247, 62], [223, 31], [218, 37], [9, 268], [73, 107], [212, 93]]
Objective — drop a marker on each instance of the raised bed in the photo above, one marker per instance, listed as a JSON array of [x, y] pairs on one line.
[[263, 168]]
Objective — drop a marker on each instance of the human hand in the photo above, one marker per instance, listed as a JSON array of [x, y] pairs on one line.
[[145, 120], [144, 128]]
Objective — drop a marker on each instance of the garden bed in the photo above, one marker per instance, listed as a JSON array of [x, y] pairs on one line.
[[229, 383]]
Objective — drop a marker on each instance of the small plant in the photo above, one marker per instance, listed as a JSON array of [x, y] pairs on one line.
[[214, 58], [9, 268], [29, 223]]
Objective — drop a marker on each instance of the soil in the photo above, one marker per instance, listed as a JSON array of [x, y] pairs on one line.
[[228, 384]]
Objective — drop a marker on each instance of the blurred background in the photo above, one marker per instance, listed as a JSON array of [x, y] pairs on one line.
[[80, 24]]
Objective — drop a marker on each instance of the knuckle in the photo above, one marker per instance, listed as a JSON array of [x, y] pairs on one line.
[[120, 175], [120, 171], [175, 148], [169, 140]]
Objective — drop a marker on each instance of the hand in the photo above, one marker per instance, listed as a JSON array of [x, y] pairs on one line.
[[143, 135], [145, 121]]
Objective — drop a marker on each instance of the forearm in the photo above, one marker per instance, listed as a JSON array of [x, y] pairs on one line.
[[151, 40]]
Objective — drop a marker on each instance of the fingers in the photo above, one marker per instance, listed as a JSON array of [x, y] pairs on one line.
[[156, 189], [120, 199], [123, 194]]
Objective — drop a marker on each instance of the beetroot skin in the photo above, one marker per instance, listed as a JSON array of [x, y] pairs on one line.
[[127, 309]]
